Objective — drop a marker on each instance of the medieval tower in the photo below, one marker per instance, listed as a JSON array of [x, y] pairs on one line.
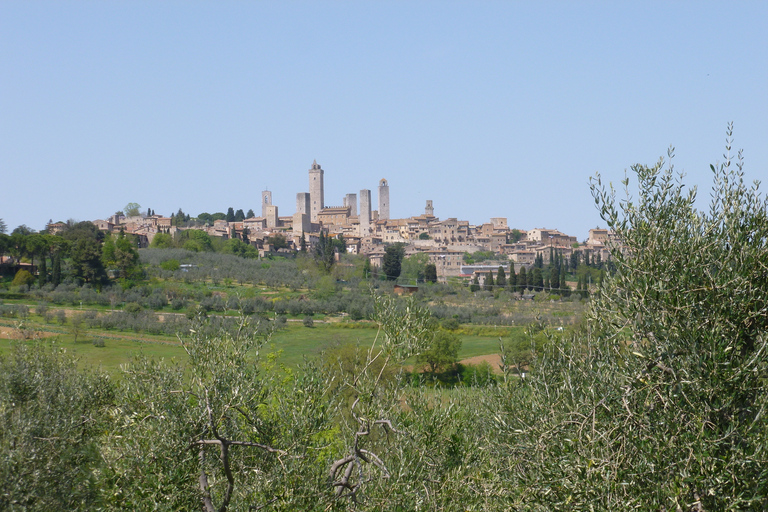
[[351, 201], [316, 190], [266, 200], [303, 203], [365, 212], [383, 200]]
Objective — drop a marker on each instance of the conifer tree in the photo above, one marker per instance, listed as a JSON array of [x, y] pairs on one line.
[[554, 278], [489, 281], [56, 272], [501, 278]]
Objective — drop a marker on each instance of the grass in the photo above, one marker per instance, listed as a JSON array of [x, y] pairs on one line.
[[293, 342], [296, 341], [117, 350]]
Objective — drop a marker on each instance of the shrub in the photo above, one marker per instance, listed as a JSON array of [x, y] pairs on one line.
[[132, 308], [23, 278], [308, 322], [170, 265]]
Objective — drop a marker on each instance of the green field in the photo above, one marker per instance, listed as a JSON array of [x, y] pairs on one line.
[[294, 342]]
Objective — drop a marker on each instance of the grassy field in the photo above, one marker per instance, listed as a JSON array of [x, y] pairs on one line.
[[293, 342], [117, 349]]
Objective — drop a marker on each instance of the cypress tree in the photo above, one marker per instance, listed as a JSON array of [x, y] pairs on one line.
[[554, 278], [563, 284], [43, 277], [56, 273], [522, 280], [501, 277], [489, 281]]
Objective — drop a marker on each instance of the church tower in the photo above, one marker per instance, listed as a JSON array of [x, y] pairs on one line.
[[266, 200], [316, 190]]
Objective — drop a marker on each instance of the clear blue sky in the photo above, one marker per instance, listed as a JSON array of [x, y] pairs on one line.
[[490, 109]]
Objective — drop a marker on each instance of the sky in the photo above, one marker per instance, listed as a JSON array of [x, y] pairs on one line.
[[487, 108]]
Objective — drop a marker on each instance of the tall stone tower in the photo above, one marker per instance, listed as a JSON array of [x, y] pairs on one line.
[[383, 200], [303, 203], [316, 190], [271, 216], [351, 201], [429, 210], [365, 212], [266, 200]]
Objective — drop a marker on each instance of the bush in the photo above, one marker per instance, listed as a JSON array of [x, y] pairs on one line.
[[23, 278], [450, 324], [480, 375], [170, 265], [308, 322]]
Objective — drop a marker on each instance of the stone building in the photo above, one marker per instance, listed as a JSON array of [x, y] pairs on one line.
[[334, 216]]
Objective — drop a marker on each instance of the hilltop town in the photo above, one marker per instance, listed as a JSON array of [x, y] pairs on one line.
[[367, 231]]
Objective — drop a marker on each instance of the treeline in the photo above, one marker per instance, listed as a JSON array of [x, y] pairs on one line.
[[80, 253]]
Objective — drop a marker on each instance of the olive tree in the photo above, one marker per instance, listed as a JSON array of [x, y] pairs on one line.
[[660, 403], [223, 433], [51, 417]]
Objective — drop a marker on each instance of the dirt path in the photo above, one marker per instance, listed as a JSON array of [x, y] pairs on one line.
[[493, 359]]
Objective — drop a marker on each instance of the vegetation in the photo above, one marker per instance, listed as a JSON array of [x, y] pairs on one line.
[[656, 402]]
